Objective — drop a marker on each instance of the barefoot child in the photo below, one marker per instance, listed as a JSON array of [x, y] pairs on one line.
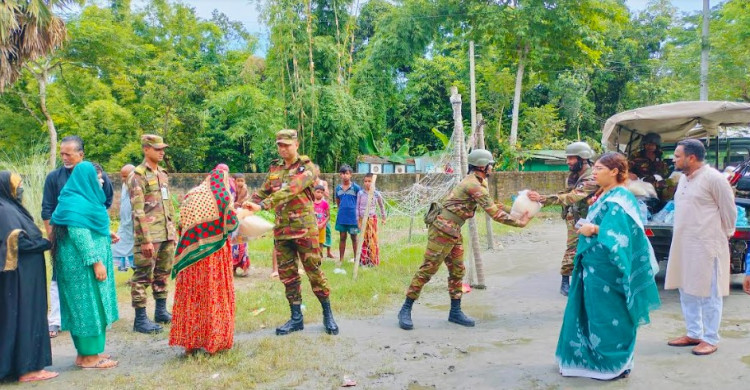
[[240, 259], [322, 214], [370, 255], [346, 219], [327, 197]]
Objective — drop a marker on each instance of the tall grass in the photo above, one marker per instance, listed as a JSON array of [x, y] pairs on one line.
[[33, 169]]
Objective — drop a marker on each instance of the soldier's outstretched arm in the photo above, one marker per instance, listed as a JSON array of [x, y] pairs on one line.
[[263, 192], [138, 202], [298, 183], [574, 196], [484, 200]]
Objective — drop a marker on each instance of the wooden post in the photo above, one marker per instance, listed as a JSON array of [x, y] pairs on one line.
[[459, 138], [363, 226], [480, 144]]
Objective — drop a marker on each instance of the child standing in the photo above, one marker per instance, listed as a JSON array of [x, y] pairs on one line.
[[326, 195], [370, 255], [322, 214], [240, 259], [346, 220]]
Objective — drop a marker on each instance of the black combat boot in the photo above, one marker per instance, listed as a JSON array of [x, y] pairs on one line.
[[457, 316], [404, 316], [565, 285], [142, 324], [328, 322], [294, 324], [161, 315]]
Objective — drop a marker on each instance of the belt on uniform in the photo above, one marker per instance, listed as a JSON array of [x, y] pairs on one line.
[[449, 215]]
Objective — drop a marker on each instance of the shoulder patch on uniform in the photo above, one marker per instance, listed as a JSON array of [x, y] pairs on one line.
[[304, 159], [141, 170]]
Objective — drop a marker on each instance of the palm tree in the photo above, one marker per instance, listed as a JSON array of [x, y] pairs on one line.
[[30, 32]]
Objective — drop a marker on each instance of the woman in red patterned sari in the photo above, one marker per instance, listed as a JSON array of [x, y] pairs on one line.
[[203, 312]]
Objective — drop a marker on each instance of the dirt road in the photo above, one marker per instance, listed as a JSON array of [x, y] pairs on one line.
[[512, 346]]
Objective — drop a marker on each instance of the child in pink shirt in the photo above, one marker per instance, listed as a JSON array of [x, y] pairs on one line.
[[322, 213]]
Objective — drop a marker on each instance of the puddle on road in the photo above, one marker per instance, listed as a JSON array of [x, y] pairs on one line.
[[509, 342]]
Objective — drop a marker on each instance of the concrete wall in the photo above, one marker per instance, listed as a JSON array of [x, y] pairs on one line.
[[502, 184]]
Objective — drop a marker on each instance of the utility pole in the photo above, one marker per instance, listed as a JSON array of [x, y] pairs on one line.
[[704, 51]]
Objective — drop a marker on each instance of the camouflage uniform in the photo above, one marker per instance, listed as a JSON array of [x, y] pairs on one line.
[[574, 206], [289, 191], [445, 243], [153, 215], [644, 168]]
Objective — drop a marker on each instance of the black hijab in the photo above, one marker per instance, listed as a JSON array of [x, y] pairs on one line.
[[14, 216]]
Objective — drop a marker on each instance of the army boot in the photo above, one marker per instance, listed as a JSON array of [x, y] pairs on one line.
[[294, 324], [565, 285], [161, 315], [457, 316], [328, 322], [404, 316], [142, 324]]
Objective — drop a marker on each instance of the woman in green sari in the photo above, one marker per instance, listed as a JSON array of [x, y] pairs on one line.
[[612, 287], [83, 263]]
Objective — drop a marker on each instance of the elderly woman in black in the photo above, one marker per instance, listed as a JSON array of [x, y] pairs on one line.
[[24, 343]]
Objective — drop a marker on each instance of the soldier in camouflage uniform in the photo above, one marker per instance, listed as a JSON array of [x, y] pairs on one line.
[[580, 187], [153, 226], [288, 190], [445, 243], [647, 163]]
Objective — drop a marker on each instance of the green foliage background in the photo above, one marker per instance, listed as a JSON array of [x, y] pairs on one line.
[[338, 74]]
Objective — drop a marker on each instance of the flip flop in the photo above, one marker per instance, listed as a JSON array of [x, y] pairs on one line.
[[101, 355], [42, 376], [103, 364], [54, 333]]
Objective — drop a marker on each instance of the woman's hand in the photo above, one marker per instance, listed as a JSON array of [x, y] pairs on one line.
[[588, 229], [115, 238], [100, 272]]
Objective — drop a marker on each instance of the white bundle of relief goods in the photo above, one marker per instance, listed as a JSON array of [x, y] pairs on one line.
[[523, 204], [252, 226], [642, 188]]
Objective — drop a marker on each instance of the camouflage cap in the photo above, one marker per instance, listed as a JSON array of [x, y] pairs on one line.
[[286, 137], [153, 141]]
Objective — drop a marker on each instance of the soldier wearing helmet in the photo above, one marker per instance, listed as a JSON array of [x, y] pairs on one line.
[[579, 188], [445, 243], [647, 163]]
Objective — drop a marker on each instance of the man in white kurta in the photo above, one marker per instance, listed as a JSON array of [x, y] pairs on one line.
[[705, 217]]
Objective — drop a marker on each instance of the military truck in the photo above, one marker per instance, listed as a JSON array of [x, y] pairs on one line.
[[717, 124]]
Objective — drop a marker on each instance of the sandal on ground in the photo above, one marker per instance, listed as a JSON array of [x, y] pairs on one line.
[[54, 333], [274, 275], [101, 356], [102, 364], [41, 376]]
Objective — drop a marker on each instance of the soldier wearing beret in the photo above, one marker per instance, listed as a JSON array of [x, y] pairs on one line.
[[288, 191], [153, 215]]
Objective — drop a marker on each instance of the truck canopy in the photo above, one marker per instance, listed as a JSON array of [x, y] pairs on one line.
[[673, 122]]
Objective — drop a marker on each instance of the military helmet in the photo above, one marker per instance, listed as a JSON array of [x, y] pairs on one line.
[[580, 149], [651, 138], [480, 158]]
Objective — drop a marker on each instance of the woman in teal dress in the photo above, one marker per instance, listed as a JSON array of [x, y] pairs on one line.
[[612, 287], [83, 263]]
